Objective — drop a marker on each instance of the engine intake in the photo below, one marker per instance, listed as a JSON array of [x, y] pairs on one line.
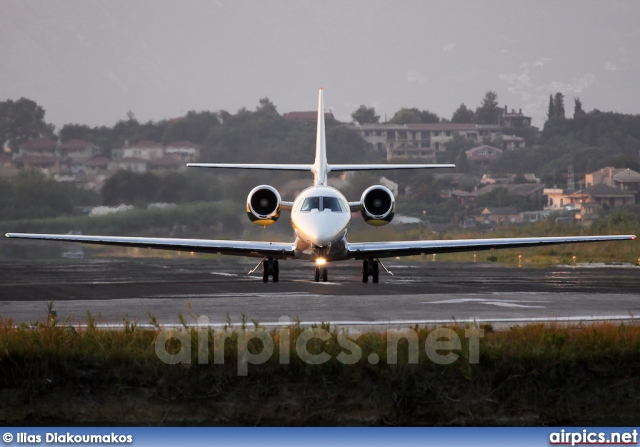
[[264, 205], [377, 205]]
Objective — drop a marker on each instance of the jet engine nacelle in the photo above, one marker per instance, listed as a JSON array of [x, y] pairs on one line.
[[264, 205], [377, 205]]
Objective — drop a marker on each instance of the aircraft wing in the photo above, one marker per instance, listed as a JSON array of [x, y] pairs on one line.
[[237, 248], [363, 250]]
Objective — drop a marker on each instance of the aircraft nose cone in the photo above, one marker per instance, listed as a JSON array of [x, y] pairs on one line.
[[320, 239]]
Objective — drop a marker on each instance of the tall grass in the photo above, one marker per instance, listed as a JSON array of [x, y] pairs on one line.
[[534, 374]]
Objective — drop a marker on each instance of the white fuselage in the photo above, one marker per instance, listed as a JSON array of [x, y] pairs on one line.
[[320, 217]]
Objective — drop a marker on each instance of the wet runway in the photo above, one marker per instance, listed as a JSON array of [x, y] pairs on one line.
[[420, 292]]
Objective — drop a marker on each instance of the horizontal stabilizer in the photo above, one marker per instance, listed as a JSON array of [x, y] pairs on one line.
[[280, 167], [335, 168], [385, 167]]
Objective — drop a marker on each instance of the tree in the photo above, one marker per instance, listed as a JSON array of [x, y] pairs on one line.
[[462, 115], [266, 106], [551, 112], [558, 104], [429, 117], [131, 188], [32, 196], [489, 111], [193, 127], [456, 151], [577, 108], [21, 121], [406, 116], [414, 116], [365, 115]]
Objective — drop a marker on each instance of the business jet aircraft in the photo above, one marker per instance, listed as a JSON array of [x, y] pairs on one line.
[[320, 217]]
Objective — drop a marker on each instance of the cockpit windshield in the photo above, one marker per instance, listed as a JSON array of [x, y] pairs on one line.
[[322, 204], [311, 203], [331, 203]]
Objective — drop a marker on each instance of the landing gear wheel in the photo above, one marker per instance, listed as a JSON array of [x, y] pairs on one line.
[[324, 275], [317, 275], [276, 271], [271, 268], [365, 271], [374, 275]]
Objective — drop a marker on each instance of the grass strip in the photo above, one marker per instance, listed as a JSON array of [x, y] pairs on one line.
[[538, 374]]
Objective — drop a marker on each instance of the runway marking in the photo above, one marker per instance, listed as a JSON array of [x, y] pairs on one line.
[[503, 304], [319, 282], [491, 302], [227, 295]]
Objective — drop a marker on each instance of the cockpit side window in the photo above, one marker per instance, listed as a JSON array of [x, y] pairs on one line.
[[331, 203], [311, 203]]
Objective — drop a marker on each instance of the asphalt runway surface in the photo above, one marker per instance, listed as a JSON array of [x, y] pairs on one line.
[[115, 290]]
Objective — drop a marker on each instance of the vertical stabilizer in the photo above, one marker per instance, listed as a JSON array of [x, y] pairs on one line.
[[320, 166]]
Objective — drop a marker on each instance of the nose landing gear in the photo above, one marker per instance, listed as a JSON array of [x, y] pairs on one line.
[[370, 268], [321, 272]]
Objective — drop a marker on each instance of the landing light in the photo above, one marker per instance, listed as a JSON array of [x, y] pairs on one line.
[[321, 261]]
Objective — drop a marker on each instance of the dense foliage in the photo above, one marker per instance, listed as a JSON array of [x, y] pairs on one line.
[[587, 140], [31, 195]]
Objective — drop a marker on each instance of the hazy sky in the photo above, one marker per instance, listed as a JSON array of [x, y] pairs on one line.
[[91, 61]]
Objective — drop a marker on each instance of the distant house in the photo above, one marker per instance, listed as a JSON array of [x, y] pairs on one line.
[[528, 190], [499, 216], [483, 153], [144, 150], [185, 151], [166, 164], [514, 119], [45, 163], [98, 165], [426, 153], [132, 164], [38, 148], [600, 195], [401, 140], [79, 150], [626, 179], [511, 142], [393, 186], [534, 216]]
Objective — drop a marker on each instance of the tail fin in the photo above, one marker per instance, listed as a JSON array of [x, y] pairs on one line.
[[320, 168]]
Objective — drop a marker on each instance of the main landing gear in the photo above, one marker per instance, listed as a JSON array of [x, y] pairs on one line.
[[370, 268], [321, 272], [271, 268]]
